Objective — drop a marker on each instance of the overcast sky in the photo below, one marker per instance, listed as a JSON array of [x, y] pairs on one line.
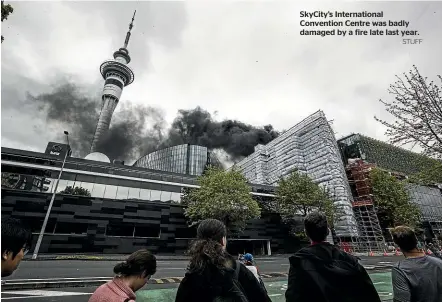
[[243, 60]]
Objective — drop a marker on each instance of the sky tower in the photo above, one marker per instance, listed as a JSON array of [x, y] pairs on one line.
[[117, 75]]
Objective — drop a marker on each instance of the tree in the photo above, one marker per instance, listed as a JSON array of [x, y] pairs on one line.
[[417, 110], [76, 191], [297, 195], [392, 201], [223, 195], [6, 10]]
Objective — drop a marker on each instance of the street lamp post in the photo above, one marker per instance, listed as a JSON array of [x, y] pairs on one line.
[[45, 222]]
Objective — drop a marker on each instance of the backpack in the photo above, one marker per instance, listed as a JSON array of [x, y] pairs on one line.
[[236, 293]]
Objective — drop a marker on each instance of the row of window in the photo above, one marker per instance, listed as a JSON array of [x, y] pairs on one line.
[[97, 168], [112, 229], [177, 159], [117, 192]]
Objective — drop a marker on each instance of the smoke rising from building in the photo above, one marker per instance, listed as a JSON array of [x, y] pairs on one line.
[[137, 129]]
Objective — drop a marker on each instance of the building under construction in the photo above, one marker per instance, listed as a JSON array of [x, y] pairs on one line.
[[370, 232], [360, 154]]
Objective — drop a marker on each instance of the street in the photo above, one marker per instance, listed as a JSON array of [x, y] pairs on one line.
[[156, 292], [166, 292], [169, 268]]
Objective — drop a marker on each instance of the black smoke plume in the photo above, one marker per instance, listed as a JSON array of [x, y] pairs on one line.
[[197, 127], [137, 130]]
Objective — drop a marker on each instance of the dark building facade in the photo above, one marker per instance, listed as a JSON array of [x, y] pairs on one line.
[[122, 208]]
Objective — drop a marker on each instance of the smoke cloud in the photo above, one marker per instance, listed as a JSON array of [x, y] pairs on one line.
[[197, 127], [137, 129]]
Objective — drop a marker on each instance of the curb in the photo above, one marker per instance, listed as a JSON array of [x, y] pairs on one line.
[[95, 282]]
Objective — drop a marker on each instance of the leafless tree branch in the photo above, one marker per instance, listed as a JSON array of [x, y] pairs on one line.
[[417, 109]]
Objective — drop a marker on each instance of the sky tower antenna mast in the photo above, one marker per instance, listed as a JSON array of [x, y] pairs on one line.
[[117, 75]]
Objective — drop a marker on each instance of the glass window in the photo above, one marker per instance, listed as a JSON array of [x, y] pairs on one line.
[[134, 193], [110, 192], [165, 196], [144, 194], [61, 185], [155, 195], [120, 229], [70, 183], [175, 197], [122, 192], [88, 186], [150, 230], [98, 190], [70, 228]]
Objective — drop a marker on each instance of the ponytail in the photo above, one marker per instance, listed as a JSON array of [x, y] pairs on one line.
[[123, 268], [205, 252]]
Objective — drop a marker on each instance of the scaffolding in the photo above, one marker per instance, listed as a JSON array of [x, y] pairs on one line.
[[370, 238]]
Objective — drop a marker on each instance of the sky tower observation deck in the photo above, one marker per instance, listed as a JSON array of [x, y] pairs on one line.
[[117, 75]]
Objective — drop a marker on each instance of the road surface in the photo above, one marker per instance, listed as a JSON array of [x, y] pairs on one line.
[[166, 292], [170, 268]]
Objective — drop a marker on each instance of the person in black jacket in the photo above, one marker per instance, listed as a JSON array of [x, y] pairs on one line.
[[211, 270], [322, 272]]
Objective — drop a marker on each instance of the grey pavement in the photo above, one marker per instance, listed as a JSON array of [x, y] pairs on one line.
[[77, 269], [58, 269]]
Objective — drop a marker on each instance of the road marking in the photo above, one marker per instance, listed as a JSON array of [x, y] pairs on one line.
[[379, 282], [40, 293], [170, 280], [50, 279], [275, 295]]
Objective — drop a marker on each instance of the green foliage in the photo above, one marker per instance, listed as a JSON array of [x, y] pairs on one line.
[[392, 201], [389, 157], [223, 195], [76, 191], [429, 176], [297, 195], [6, 10]]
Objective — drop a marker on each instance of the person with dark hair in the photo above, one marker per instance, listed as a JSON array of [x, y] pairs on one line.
[[16, 242], [322, 272], [131, 275], [417, 278], [215, 275]]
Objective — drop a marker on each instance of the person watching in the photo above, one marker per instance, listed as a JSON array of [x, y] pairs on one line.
[[322, 272], [417, 278], [16, 242], [215, 275], [131, 275]]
